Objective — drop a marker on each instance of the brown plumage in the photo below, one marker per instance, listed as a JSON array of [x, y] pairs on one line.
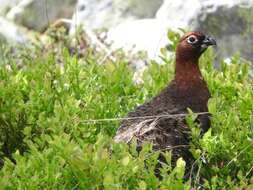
[[187, 90]]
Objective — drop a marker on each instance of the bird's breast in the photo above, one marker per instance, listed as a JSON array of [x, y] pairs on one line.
[[194, 97]]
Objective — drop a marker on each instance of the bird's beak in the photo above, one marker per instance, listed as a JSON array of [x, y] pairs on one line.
[[208, 41]]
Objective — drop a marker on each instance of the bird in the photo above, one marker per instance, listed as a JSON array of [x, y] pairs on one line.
[[162, 120]]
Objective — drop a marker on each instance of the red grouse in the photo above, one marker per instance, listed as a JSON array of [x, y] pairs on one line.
[[152, 121]]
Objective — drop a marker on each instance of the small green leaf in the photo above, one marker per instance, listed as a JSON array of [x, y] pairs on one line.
[[142, 185], [125, 161]]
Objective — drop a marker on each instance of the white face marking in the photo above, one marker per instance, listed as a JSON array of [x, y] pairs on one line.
[[203, 47]]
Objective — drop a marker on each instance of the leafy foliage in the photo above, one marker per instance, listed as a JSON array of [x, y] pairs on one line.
[[47, 143]]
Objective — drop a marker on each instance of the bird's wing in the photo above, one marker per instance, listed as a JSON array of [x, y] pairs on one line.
[[148, 117]]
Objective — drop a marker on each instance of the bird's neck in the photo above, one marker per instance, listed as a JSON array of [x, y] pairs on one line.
[[187, 73]]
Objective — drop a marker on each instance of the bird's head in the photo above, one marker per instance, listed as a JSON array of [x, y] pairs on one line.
[[192, 45]]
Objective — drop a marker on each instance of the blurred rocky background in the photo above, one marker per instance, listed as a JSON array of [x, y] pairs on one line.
[[133, 25]]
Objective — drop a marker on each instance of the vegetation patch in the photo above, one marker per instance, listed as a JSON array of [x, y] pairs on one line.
[[49, 95]]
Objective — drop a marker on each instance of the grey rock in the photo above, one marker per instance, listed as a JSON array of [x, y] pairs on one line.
[[230, 21], [108, 13], [6, 5], [142, 26], [179, 12], [11, 33], [149, 35], [38, 14], [233, 28]]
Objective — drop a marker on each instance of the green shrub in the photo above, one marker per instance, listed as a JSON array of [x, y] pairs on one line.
[[46, 100]]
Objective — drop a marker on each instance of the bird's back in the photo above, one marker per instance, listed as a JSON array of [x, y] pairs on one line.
[[160, 120]]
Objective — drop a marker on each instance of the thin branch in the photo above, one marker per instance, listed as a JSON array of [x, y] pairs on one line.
[[144, 117], [233, 159]]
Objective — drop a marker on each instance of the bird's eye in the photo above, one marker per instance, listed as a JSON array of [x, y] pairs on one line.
[[192, 39]]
